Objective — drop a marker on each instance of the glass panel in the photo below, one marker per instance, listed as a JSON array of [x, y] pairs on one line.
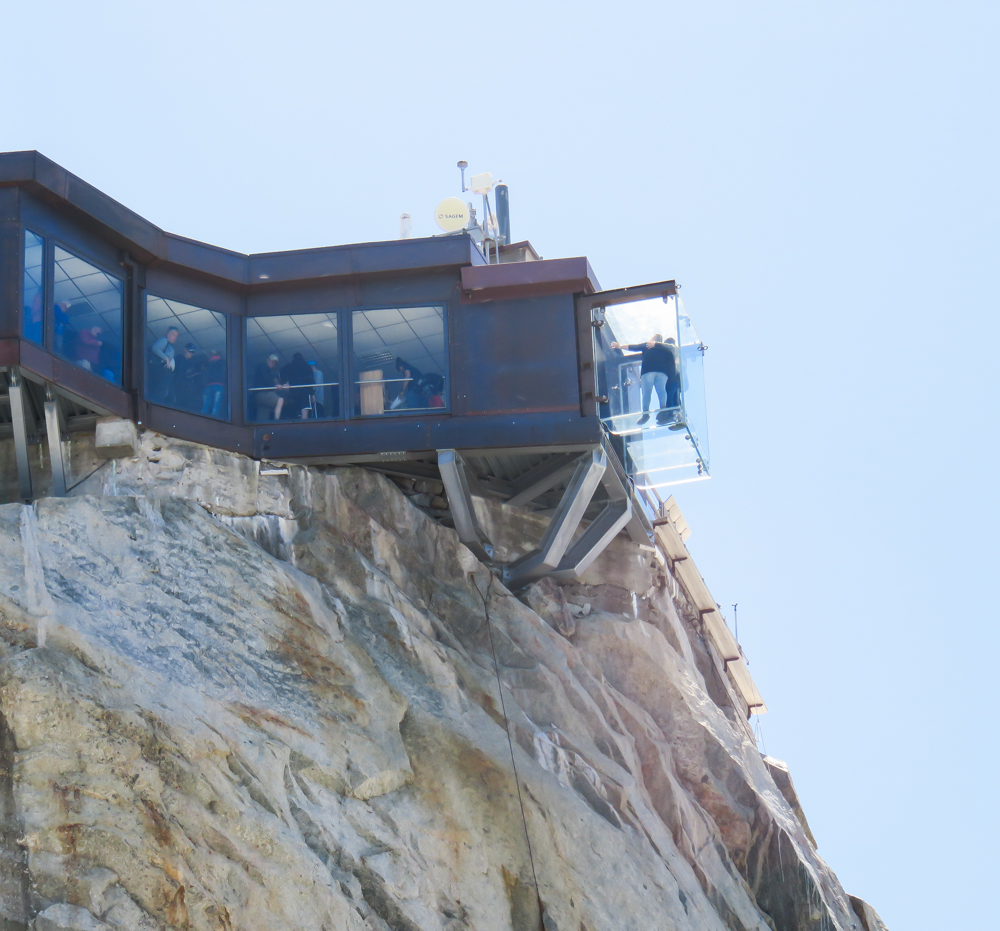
[[693, 383], [33, 298], [650, 369], [640, 364], [186, 357], [293, 368], [399, 361], [88, 316]]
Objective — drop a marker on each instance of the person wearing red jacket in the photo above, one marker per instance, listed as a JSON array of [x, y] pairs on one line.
[[88, 348]]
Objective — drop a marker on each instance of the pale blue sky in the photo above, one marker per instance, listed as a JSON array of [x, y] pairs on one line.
[[822, 180]]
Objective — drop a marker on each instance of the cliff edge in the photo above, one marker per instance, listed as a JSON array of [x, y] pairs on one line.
[[232, 700]]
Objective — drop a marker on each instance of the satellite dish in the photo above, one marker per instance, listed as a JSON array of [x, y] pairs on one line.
[[452, 214]]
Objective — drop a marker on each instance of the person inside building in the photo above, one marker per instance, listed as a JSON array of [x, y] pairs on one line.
[[319, 392], [408, 395], [214, 393], [658, 373], [431, 388], [64, 332], [298, 377], [268, 394], [418, 390], [189, 377], [33, 319], [110, 358], [162, 366], [88, 348]]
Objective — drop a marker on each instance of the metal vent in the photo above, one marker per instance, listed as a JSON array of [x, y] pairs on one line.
[[377, 358]]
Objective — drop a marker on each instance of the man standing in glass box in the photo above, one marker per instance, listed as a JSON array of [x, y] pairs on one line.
[[659, 373]]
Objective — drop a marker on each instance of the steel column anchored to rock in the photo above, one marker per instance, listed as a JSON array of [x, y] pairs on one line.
[[19, 415], [456, 484], [558, 535], [55, 429]]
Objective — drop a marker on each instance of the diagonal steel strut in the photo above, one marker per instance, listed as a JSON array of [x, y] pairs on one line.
[[463, 513]]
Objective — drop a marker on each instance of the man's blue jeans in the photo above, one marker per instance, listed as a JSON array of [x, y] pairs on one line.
[[648, 382], [211, 400]]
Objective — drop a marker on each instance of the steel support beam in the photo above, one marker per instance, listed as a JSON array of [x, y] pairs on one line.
[[21, 418], [55, 429], [558, 470], [558, 535], [602, 530], [456, 484]]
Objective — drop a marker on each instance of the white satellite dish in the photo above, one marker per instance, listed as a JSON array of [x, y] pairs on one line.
[[452, 214]]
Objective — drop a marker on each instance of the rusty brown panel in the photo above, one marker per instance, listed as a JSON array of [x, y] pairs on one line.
[[10, 263], [585, 349], [37, 360], [188, 426], [520, 355], [637, 292], [17, 167], [527, 279], [537, 410], [410, 435], [9, 352], [177, 287], [91, 389]]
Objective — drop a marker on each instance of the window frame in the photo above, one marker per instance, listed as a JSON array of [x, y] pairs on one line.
[[434, 412], [338, 313], [144, 326], [121, 275], [345, 334], [47, 252]]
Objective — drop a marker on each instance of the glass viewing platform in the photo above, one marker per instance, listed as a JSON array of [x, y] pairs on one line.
[[651, 386]]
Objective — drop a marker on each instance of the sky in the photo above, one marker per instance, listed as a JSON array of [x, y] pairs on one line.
[[821, 179]]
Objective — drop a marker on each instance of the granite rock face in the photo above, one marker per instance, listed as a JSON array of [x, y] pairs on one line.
[[237, 701]]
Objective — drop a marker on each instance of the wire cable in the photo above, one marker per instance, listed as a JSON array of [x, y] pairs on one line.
[[503, 708]]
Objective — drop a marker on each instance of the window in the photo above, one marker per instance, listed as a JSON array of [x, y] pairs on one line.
[[186, 361], [88, 316], [399, 362], [293, 368], [33, 288]]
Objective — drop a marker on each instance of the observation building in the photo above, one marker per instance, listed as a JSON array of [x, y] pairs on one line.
[[461, 358]]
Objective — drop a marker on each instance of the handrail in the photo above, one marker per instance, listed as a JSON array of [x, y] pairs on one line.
[[317, 384]]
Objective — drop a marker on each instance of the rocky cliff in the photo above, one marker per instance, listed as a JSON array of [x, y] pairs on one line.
[[241, 701]]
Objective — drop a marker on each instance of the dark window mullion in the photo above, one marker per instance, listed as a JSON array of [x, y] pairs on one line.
[[48, 292]]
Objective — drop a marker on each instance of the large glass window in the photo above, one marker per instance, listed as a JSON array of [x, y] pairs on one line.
[[399, 362], [293, 368], [186, 360], [88, 316], [33, 288]]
